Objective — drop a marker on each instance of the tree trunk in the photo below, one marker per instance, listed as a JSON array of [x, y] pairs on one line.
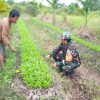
[[86, 20], [53, 19]]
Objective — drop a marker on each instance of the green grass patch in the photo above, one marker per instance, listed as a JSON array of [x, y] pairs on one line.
[[76, 21], [34, 70], [74, 37], [94, 24], [7, 74], [8, 69]]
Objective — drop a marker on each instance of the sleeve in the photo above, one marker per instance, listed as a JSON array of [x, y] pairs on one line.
[[55, 51]]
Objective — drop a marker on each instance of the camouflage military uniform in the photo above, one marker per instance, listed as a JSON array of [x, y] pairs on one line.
[[59, 55]]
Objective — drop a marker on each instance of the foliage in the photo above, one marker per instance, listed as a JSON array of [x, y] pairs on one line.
[[54, 3], [4, 8], [19, 7], [32, 8], [8, 72], [74, 37], [34, 70], [29, 8], [95, 5], [10, 2], [86, 6], [71, 9]]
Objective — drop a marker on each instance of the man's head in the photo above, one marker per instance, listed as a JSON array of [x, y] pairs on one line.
[[65, 38], [14, 16]]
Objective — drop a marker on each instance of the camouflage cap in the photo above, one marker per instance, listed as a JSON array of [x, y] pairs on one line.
[[66, 35]]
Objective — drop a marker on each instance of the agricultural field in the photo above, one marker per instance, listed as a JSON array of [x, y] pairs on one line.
[[34, 41], [36, 73], [45, 33], [28, 75]]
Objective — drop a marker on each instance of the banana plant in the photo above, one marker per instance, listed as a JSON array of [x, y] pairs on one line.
[[4, 8]]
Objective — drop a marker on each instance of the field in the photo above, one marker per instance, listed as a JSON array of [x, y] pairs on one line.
[[27, 75]]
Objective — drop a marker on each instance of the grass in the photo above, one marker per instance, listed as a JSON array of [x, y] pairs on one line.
[[94, 24], [7, 75], [74, 37], [76, 21]]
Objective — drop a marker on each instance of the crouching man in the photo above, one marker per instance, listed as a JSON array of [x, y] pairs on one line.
[[66, 56]]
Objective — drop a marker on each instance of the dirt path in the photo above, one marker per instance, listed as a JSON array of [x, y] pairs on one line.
[[88, 74]]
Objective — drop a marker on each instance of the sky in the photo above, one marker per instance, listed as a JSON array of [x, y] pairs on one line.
[[67, 2]]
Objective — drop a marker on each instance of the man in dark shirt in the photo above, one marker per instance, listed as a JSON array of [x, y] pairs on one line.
[[66, 56]]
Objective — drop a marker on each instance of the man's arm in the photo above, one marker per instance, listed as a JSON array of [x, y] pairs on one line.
[[5, 38], [55, 51]]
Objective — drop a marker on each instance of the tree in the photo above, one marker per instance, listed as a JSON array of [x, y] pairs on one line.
[[40, 5], [10, 2], [55, 5], [71, 9], [95, 5], [4, 8], [86, 6], [32, 8]]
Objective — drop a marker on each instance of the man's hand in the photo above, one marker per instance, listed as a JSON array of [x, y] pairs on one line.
[[48, 56], [54, 65], [13, 49]]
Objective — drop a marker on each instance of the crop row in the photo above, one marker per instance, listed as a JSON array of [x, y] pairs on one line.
[[74, 37], [34, 70]]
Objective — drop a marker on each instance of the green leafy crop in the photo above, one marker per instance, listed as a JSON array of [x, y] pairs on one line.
[[74, 37], [34, 70]]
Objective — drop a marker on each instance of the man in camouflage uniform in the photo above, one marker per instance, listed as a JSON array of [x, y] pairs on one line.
[[66, 56]]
